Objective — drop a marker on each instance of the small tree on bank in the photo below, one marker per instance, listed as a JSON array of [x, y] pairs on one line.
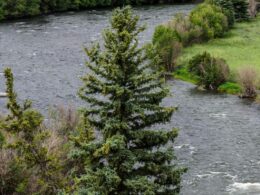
[[28, 142], [124, 96]]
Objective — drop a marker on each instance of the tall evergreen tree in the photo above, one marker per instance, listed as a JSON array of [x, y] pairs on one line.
[[124, 96]]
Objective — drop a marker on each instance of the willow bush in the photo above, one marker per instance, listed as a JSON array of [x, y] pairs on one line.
[[211, 19], [187, 32], [212, 72], [168, 46]]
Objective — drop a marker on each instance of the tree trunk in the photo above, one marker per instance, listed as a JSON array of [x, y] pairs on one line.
[[252, 8]]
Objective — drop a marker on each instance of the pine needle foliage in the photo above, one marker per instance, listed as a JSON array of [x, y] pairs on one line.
[[24, 124], [124, 96], [241, 10], [228, 9]]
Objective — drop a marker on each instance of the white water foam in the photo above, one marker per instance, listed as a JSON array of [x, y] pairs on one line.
[[188, 146], [244, 188], [211, 174], [185, 146], [218, 115]]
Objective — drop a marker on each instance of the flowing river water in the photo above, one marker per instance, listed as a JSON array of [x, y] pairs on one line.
[[219, 138]]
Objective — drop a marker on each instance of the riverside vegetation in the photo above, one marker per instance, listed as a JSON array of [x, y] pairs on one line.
[[106, 148], [220, 28], [10, 9]]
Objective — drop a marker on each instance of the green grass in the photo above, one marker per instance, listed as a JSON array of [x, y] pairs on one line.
[[185, 75], [230, 88], [240, 47]]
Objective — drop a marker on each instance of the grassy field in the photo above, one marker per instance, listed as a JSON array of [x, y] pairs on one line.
[[240, 47]]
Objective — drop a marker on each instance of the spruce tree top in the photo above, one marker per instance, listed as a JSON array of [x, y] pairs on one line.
[[122, 89]]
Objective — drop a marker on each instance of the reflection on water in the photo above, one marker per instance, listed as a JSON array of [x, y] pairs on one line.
[[219, 137]]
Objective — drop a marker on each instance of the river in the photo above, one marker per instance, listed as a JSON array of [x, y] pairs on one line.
[[219, 137]]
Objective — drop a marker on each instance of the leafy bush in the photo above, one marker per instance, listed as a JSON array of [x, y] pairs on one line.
[[227, 8], [247, 77], [241, 10], [187, 32], [211, 19], [167, 45], [212, 71]]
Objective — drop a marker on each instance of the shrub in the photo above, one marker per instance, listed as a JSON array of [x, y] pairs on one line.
[[247, 77], [227, 8], [187, 32], [212, 71], [211, 19], [167, 45], [241, 10]]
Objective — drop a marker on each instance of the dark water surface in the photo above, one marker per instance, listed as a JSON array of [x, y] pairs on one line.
[[220, 135], [46, 53], [219, 141]]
